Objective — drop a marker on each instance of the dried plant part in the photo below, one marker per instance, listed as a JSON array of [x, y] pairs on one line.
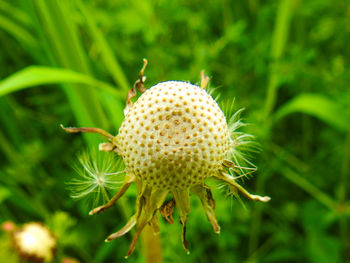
[[172, 139]]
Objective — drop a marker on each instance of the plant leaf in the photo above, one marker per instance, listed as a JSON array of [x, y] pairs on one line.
[[108, 58], [18, 32], [318, 106], [39, 75]]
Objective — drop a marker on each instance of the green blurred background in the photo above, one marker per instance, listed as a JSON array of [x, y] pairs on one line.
[[286, 62]]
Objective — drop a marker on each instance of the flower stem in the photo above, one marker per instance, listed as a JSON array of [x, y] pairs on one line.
[[151, 245]]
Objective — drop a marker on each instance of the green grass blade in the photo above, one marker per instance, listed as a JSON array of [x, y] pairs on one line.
[[15, 13], [108, 58], [318, 106], [64, 46], [310, 188], [38, 75], [18, 32], [280, 35]]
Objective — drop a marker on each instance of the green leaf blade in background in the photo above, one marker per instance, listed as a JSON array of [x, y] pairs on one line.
[[33, 76], [318, 106], [65, 48], [20, 33], [109, 60]]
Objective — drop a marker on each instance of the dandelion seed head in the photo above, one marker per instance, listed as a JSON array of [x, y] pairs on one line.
[[98, 173], [185, 144], [172, 139]]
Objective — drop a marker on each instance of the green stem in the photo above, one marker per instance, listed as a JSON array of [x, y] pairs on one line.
[[151, 246], [279, 39], [280, 36], [289, 158], [304, 184]]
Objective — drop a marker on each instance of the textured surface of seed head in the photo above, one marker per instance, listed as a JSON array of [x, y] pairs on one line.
[[174, 136]]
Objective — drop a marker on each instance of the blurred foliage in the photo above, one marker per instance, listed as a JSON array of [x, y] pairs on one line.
[[286, 62]]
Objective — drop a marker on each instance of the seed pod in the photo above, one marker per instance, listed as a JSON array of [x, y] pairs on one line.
[[173, 138]]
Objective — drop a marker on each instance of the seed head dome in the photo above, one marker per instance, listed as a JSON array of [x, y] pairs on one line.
[[174, 136]]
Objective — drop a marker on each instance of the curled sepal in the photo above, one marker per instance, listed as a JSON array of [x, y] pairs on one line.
[[167, 211], [88, 130], [152, 200], [139, 84], [129, 178], [125, 229], [221, 175], [208, 203], [182, 200], [106, 147]]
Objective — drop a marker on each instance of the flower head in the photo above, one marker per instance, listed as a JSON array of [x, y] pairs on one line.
[[172, 139], [34, 241]]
